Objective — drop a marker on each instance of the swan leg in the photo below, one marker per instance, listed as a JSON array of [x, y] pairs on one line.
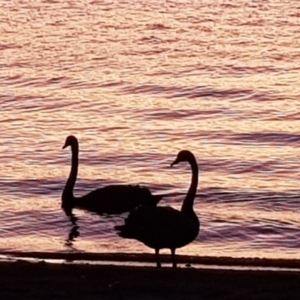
[[158, 264], [173, 258]]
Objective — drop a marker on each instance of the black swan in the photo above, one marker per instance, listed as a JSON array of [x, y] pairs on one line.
[[112, 199], [164, 227]]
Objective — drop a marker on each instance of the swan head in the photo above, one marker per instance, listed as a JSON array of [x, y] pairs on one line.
[[70, 140], [183, 155]]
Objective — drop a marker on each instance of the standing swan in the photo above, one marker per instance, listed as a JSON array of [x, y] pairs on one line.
[[112, 199], [165, 227]]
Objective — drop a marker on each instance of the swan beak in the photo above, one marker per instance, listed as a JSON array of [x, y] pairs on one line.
[[65, 146], [175, 162]]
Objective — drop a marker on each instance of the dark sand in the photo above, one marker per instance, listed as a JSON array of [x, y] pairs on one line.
[[40, 280]]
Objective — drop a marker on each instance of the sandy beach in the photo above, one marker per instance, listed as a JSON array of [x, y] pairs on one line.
[[40, 280]]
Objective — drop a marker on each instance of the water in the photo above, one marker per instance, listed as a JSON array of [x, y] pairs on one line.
[[136, 83]]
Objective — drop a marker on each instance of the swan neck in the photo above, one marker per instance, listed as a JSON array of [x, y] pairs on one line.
[[187, 206], [68, 196]]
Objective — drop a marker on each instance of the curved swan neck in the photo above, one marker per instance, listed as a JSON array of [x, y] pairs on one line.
[[188, 202], [67, 195]]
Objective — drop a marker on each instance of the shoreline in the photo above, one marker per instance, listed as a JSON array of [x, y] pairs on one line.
[[189, 261], [42, 280]]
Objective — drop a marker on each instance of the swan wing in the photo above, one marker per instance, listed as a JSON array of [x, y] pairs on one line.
[[159, 227], [116, 199]]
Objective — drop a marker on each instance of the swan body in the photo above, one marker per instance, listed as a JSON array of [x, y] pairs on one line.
[[112, 199], [164, 227]]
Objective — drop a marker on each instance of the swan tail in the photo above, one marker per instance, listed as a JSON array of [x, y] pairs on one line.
[[156, 199], [134, 223], [147, 198]]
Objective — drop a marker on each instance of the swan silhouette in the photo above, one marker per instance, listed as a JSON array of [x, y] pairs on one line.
[[164, 227], [112, 199]]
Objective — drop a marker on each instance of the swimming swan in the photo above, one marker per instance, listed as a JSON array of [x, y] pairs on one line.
[[112, 199]]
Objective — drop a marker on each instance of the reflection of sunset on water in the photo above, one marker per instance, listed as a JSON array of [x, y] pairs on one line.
[[136, 83]]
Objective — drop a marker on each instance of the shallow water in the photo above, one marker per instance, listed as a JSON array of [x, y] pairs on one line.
[[136, 83]]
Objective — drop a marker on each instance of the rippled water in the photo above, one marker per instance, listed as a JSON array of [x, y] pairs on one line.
[[136, 83]]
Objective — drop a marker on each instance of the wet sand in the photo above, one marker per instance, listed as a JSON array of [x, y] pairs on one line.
[[41, 280]]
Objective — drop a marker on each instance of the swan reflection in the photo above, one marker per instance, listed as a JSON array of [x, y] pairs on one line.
[[74, 231]]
